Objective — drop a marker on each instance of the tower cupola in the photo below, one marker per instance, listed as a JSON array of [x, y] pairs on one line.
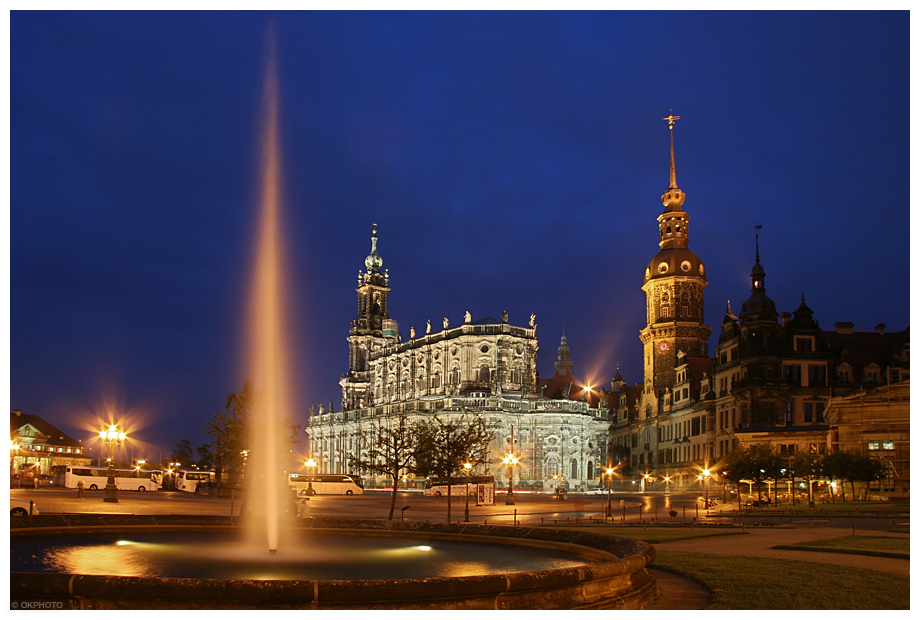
[[563, 356], [373, 262], [758, 307]]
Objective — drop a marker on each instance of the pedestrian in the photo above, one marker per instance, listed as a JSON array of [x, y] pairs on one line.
[[80, 486], [303, 510]]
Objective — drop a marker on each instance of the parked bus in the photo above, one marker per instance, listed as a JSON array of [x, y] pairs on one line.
[[460, 485], [326, 484], [193, 481], [97, 477]]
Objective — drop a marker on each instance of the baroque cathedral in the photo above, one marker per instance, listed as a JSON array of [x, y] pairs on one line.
[[484, 367], [774, 377]]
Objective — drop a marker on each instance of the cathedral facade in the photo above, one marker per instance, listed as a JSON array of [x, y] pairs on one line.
[[484, 367]]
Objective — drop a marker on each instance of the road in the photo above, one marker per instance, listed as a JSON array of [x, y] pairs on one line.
[[528, 507], [372, 504]]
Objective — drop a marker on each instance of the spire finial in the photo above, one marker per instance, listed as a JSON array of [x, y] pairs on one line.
[[757, 242], [671, 118], [729, 309]]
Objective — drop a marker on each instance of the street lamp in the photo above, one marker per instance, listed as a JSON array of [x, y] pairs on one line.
[[14, 450], [510, 461], [111, 437], [609, 475], [466, 510], [310, 464], [706, 475]]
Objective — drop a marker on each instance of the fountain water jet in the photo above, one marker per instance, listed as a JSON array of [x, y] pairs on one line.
[[267, 355]]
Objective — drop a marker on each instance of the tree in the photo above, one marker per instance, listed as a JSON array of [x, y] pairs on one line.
[[182, 454], [231, 430], [446, 445], [868, 469], [205, 458], [808, 467], [841, 465], [752, 465], [393, 449]]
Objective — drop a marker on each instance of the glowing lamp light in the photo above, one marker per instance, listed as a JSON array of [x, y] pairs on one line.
[[510, 460], [310, 462], [112, 434], [610, 471]]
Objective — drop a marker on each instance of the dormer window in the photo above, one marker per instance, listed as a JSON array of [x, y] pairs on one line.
[[804, 344]]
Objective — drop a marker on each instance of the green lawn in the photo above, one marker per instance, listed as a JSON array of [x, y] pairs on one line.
[[766, 583], [882, 546], [897, 508], [652, 534]]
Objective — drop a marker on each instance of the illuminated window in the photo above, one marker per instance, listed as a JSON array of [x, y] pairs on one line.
[[873, 445], [887, 445]]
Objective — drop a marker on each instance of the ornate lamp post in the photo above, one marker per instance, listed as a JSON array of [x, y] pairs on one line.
[[14, 450], [609, 476], [706, 475], [112, 437], [310, 464], [466, 511], [510, 461]]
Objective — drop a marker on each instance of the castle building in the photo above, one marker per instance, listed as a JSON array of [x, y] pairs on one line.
[[485, 367], [770, 380]]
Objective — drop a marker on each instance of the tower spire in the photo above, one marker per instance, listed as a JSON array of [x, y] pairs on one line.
[[757, 243], [671, 118], [674, 198]]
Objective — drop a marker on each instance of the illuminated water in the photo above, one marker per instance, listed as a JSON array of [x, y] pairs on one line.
[[268, 360], [225, 556]]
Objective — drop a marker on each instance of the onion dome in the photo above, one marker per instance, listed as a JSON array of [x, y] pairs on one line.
[[373, 262]]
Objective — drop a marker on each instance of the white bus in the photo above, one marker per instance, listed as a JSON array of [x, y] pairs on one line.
[[95, 478], [480, 487], [190, 481], [326, 484]]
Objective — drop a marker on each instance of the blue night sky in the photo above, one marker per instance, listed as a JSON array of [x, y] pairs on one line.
[[512, 160]]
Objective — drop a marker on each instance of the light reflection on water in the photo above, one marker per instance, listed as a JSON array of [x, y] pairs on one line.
[[222, 556]]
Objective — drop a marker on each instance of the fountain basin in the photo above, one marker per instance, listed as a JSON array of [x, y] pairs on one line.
[[610, 573]]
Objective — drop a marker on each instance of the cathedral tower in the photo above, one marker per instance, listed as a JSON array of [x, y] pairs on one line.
[[673, 286], [371, 330]]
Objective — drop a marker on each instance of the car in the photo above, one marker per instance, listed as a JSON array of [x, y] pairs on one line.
[[20, 508], [596, 491]]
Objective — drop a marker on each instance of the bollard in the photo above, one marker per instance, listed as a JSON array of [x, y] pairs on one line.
[[743, 526], [697, 510], [515, 517], [31, 507]]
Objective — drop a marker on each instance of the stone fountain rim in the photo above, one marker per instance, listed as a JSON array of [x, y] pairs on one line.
[[616, 577]]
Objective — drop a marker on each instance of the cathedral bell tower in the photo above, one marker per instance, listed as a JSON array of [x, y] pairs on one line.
[[371, 330], [673, 286]]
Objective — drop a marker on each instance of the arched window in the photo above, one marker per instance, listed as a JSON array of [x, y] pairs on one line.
[[483, 374], [552, 467], [574, 469], [590, 470]]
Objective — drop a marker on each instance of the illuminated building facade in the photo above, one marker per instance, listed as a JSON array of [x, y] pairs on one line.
[[39, 441], [486, 367], [770, 379]]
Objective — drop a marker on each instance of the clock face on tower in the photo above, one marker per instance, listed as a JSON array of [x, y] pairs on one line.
[[663, 346]]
